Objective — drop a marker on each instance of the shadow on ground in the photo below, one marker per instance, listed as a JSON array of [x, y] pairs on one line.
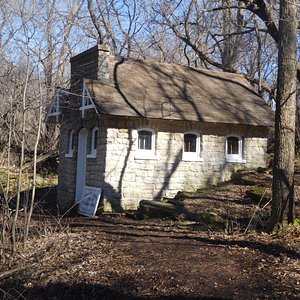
[[80, 291]]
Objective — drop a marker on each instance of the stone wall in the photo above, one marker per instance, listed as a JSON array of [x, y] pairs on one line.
[[135, 179], [66, 171], [68, 165], [126, 180]]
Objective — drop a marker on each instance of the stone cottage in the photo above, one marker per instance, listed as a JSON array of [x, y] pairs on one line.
[[145, 130]]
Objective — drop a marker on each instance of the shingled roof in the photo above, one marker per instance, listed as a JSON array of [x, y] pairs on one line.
[[173, 92]]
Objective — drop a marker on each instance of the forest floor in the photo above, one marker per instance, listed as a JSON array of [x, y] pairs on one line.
[[119, 257]]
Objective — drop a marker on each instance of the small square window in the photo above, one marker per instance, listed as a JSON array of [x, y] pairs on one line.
[[232, 145], [191, 147], [145, 144], [145, 140], [234, 149], [190, 142]]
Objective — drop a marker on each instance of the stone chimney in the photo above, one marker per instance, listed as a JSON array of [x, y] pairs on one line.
[[91, 64]]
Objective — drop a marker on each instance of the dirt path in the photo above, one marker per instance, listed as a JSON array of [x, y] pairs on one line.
[[125, 259], [122, 258]]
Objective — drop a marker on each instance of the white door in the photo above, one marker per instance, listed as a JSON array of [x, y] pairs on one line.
[[81, 164]]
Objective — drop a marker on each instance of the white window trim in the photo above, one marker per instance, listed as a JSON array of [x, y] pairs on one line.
[[70, 152], [55, 110], [193, 156], [93, 153], [235, 158], [86, 96], [144, 153]]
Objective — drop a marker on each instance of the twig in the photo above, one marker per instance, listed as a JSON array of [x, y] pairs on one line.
[[11, 272], [256, 209]]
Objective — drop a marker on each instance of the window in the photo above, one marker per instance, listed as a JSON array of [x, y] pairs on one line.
[[232, 145], [70, 151], [234, 149], [145, 144], [191, 147], [94, 141], [87, 102], [145, 140]]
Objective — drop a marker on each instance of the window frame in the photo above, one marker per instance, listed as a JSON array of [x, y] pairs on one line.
[[235, 158], [93, 150], [193, 156], [146, 153], [70, 152]]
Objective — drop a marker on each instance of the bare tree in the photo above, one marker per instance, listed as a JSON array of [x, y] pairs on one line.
[[7, 27], [25, 18], [220, 34], [257, 67], [117, 22]]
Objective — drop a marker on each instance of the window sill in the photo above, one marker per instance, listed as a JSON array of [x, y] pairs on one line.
[[237, 161], [92, 154], [192, 159], [69, 155], [145, 156]]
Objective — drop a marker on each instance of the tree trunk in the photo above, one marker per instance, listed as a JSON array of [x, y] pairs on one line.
[[283, 173], [226, 54], [15, 219], [40, 116]]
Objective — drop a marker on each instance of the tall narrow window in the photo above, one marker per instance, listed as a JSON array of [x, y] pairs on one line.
[[234, 149], [191, 147], [94, 139], [94, 142], [145, 144], [70, 150]]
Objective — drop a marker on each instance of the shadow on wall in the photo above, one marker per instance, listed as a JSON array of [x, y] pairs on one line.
[[169, 174], [113, 195], [115, 204]]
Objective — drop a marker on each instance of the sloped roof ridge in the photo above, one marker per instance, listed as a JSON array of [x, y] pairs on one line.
[[176, 65], [167, 91]]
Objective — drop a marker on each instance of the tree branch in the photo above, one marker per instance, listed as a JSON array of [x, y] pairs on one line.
[[259, 8], [96, 22]]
